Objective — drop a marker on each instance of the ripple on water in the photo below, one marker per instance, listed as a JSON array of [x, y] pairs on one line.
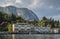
[[33, 36]]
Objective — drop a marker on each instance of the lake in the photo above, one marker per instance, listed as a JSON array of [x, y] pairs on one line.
[[30, 36]]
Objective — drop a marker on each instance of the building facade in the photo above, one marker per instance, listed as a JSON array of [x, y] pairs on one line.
[[21, 27]]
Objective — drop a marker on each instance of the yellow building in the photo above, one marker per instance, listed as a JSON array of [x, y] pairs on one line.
[[10, 27]]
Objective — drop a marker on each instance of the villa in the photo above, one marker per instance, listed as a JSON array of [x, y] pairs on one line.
[[42, 29], [21, 27]]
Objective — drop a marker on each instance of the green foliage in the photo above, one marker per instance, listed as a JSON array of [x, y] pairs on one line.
[[49, 22], [11, 19]]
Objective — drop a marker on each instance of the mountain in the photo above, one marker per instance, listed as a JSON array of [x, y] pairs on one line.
[[23, 12]]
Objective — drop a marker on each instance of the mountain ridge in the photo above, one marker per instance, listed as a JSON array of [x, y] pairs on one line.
[[23, 12]]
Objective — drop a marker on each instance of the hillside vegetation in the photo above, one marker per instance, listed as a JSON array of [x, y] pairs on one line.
[[6, 21], [49, 22]]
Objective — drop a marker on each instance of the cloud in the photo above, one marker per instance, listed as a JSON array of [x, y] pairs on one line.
[[58, 8], [7, 2], [18, 1], [35, 4], [50, 7], [31, 4], [56, 17], [41, 4], [4, 3]]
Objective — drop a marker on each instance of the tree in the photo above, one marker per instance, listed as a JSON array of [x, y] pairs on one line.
[[43, 22], [1, 17], [57, 23], [13, 18], [44, 18]]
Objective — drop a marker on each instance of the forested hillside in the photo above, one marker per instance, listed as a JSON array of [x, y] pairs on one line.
[[6, 21], [49, 22]]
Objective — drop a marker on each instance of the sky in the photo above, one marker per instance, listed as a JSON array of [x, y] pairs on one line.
[[48, 8]]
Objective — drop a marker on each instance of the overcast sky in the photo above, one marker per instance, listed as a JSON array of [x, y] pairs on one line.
[[48, 8]]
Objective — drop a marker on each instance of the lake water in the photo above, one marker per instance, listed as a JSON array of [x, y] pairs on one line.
[[33, 36]]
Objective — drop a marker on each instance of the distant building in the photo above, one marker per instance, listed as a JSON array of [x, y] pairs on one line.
[[55, 30], [21, 27], [42, 29]]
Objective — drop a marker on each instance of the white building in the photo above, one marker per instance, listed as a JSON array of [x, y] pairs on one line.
[[21, 26], [29, 28], [55, 30], [42, 29]]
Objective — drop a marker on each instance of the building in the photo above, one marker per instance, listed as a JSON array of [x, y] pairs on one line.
[[55, 30], [42, 29], [22, 27]]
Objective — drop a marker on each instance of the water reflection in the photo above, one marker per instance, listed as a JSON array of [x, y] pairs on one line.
[[17, 36]]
